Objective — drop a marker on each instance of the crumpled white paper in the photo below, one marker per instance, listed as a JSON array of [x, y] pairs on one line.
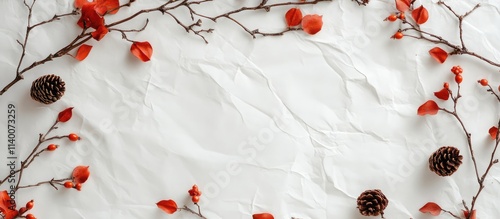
[[297, 125]]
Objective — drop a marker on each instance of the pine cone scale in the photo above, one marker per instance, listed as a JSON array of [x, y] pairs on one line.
[[47, 89]]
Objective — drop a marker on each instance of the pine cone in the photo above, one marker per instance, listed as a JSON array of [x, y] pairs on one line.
[[47, 89], [445, 161], [372, 203]]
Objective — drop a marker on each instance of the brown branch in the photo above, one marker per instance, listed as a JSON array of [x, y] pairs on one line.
[[361, 2], [53, 182], [450, 213], [165, 8], [458, 49], [186, 208]]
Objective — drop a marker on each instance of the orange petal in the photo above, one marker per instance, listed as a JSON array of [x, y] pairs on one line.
[[81, 3], [312, 23], [473, 216], [438, 54], [403, 5], [262, 216], [65, 115], [493, 132], [420, 15], [168, 206], [432, 208], [7, 206], [293, 17], [83, 52], [430, 107], [109, 5], [100, 33], [142, 50], [81, 174], [89, 17], [443, 94]]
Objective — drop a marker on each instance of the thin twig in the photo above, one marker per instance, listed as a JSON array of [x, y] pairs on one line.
[[458, 49], [186, 208]]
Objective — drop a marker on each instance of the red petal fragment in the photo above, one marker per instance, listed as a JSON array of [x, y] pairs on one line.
[[142, 50], [493, 132], [430, 107], [420, 15], [82, 52], [7, 206], [443, 94], [262, 216], [466, 214], [90, 18], [402, 5], [81, 174], [109, 5], [431, 208], [168, 206], [312, 23], [65, 115], [438, 54], [100, 33], [293, 17], [81, 3]]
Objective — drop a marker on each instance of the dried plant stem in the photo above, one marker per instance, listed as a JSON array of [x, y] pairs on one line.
[[480, 177], [186, 208], [53, 182], [42, 138], [165, 8], [451, 214], [458, 49]]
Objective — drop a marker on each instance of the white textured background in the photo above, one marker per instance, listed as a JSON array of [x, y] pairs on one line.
[[297, 125]]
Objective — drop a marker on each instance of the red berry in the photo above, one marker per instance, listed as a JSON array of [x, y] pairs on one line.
[[30, 205], [30, 216], [51, 147], [195, 199], [457, 69], [446, 85], [78, 186], [459, 78], [73, 137], [68, 184], [398, 35], [402, 16], [22, 210], [483, 82], [392, 18]]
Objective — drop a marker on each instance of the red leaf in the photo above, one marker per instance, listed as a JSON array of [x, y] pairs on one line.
[[90, 18], [430, 107], [83, 52], [7, 206], [443, 94], [142, 50], [65, 115], [312, 23], [100, 33], [81, 174], [493, 132], [262, 216], [473, 216], [109, 5], [168, 206], [402, 5], [420, 14], [102, 6], [293, 17], [431, 208], [438, 54]]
